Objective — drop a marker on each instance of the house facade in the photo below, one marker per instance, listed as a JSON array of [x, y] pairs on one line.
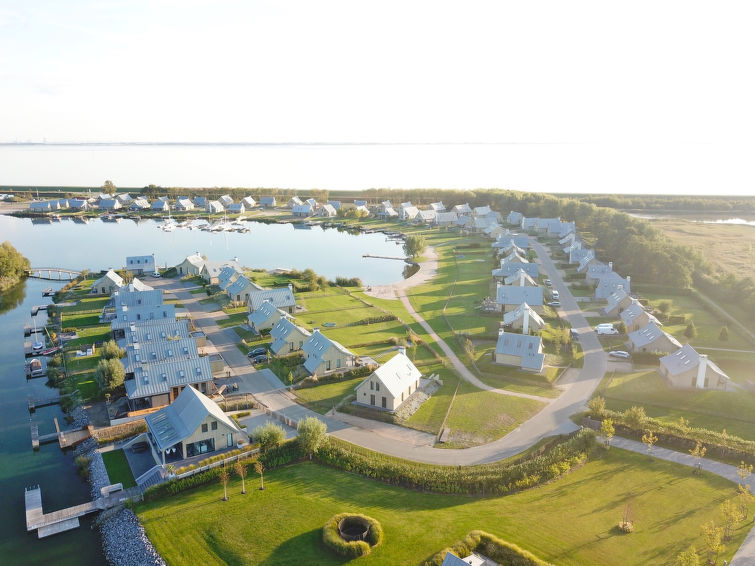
[[282, 297], [265, 317], [685, 368], [650, 338], [519, 350], [140, 264], [390, 385], [108, 283], [287, 337], [323, 355], [192, 265]]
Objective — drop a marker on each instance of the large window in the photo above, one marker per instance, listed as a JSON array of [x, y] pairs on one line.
[[201, 447]]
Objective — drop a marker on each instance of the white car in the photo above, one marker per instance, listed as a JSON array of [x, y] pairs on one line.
[[619, 354]]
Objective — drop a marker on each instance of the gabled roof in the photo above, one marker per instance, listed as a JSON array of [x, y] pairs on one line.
[[634, 310], [265, 312], [462, 209], [438, 206], [410, 212], [514, 217], [236, 207], [335, 204], [160, 205], [111, 276], [327, 210], [316, 346], [228, 275], [512, 316], [215, 206], [280, 297], [649, 334], [158, 378], [514, 257], [172, 424], [127, 314], [227, 200], [214, 267], [427, 215], [184, 202], [614, 299], [200, 201], [507, 269], [159, 351], [446, 217], [267, 201], [685, 359], [396, 374], [525, 346], [482, 210], [248, 202], [195, 259], [610, 283], [302, 209], [294, 201], [516, 277], [515, 295], [281, 331], [139, 285], [140, 203], [110, 203], [240, 285], [150, 331]]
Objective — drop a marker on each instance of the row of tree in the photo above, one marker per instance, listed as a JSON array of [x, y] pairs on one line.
[[13, 266]]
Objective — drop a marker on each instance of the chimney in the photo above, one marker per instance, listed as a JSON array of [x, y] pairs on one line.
[[291, 287], [315, 329], [629, 283], [526, 323], [521, 278], [701, 370], [402, 350], [610, 265]]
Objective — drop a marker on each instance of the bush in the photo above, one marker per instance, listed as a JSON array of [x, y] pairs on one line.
[[353, 549], [374, 320], [111, 350], [626, 526], [496, 549], [269, 436]]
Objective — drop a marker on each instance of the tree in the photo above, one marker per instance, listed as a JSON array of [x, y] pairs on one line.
[[607, 431], [744, 471], [111, 350], [597, 406], [621, 327], [311, 434], [724, 334], [649, 439], [269, 436], [13, 266], [414, 245], [665, 307], [109, 187], [699, 454], [240, 470], [688, 557], [635, 417], [712, 536], [259, 468], [731, 515], [224, 476], [690, 331], [290, 378], [110, 373]]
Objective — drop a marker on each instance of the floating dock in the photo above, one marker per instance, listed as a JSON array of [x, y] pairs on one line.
[[64, 438], [47, 524], [35, 309]]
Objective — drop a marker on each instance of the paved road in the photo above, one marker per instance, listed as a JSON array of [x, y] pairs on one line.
[[745, 556]]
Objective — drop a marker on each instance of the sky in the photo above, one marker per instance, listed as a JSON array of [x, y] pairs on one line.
[[654, 84]]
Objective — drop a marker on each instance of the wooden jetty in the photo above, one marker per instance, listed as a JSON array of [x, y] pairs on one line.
[[37, 308], [47, 524], [29, 330], [64, 438], [385, 257], [37, 402]]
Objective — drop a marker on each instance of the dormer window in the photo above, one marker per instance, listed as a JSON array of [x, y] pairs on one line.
[[164, 376]]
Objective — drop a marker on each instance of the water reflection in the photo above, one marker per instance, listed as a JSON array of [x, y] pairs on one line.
[[12, 297]]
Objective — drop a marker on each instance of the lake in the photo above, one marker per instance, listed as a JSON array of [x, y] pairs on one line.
[[21, 467], [101, 245]]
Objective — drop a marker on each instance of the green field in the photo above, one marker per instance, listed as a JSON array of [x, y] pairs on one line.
[[323, 398], [571, 521], [429, 417], [118, 469], [714, 410]]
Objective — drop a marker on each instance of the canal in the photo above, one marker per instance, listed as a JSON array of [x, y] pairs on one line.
[[20, 466]]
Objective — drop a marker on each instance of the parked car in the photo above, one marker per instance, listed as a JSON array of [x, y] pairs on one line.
[[606, 328], [573, 333], [619, 354], [555, 295], [548, 283], [155, 274], [258, 351], [554, 304], [260, 359]]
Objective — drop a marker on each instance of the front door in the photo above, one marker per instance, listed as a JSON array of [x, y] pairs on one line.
[[372, 399], [230, 440]]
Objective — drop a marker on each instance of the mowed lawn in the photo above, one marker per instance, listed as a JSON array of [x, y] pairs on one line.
[[118, 469], [714, 410], [323, 398], [568, 522]]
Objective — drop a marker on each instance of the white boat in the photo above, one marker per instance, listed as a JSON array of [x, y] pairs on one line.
[[168, 227]]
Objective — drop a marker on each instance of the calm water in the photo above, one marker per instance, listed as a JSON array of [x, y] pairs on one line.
[[99, 245], [52, 470]]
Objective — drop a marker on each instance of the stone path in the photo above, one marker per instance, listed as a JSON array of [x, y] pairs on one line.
[[745, 556]]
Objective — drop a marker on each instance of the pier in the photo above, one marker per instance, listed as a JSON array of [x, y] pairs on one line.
[[35, 403], [37, 308], [64, 438], [49, 273], [385, 257]]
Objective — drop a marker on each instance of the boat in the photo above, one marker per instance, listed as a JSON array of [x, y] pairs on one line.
[[34, 368], [49, 351], [37, 347]]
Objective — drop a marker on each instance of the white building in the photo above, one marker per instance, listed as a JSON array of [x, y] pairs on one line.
[[391, 384]]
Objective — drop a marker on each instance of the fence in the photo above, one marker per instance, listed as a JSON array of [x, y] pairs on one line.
[[223, 462]]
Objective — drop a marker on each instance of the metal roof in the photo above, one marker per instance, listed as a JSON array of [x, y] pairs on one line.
[[158, 378], [524, 346], [396, 374], [515, 295], [280, 297]]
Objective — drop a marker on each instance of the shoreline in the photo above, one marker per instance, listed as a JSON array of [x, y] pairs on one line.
[[427, 270]]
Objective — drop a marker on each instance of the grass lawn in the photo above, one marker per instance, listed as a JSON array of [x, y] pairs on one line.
[[429, 417], [323, 398], [234, 319], [89, 335], [118, 469], [80, 319], [708, 324], [569, 522], [715, 410], [478, 417]]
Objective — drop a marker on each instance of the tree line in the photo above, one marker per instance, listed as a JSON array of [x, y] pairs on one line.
[[13, 266]]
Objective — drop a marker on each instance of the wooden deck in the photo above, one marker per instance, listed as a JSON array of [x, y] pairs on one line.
[[47, 524], [65, 438]]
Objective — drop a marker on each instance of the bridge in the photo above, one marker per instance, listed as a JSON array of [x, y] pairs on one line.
[[50, 273]]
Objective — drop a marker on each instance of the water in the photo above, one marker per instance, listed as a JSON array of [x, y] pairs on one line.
[[100, 245], [646, 168], [740, 220], [20, 467]]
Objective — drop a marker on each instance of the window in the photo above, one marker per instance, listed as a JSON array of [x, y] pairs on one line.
[[214, 425], [372, 386], [291, 346], [327, 365], [377, 386], [384, 403], [204, 427], [372, 399], [338, 363]]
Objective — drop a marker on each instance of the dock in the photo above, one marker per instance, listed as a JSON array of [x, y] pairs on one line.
[[29, 330], [64, 438], [47, 292], [386, 257], [35, 309], [35, 403]]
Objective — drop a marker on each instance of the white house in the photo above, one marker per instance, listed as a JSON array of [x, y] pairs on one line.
[[519, 350], [161, 205], [192, 265], [267, 202], [282, 297], [226, 200], [438, 206], [687, 368], [239, 290], [510, 297], [302, 210], [139, 203], [327, 210], [236, 208], [140, 264], [287, 337], [294, 201], [265, 317], [184, 204], [108, 283], [523, 318], [215, 207], [650, 338], [391, 384], [249, 203]]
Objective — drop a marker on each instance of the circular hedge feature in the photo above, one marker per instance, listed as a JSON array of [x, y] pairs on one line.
[[352, 535]]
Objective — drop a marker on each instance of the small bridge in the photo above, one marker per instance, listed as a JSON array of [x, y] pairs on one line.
[[53, 273]]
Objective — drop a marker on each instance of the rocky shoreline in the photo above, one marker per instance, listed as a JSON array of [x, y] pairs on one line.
[[124, 541]]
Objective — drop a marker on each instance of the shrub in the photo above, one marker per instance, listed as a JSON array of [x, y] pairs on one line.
[[626, 527], [353, 549], [496, 549], [111, 350], [269, 436]]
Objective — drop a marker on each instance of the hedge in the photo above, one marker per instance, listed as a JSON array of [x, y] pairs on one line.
[[496, 549], [374, 320], [487, 479], [353, 549], [685, 438]]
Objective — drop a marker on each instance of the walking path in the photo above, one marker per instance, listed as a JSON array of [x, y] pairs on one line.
[[745, 556]]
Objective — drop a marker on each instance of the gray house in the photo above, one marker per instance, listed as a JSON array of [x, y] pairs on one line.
[[519, 350]]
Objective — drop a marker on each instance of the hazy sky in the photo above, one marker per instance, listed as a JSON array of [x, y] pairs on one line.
[[665, 75]]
